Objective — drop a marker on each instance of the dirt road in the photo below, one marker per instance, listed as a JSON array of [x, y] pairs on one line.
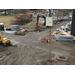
[[30, 50]]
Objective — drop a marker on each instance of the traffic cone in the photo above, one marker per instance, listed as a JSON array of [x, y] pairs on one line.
[[69, 33], [55, 35], [46, 38]]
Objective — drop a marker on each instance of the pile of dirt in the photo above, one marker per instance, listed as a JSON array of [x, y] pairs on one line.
[[21, 21]]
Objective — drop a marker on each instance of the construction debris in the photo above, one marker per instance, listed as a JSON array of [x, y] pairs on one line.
[[62, 34], [63, 58], [20, 33], [68, 26], [15, 29], [64, 38]]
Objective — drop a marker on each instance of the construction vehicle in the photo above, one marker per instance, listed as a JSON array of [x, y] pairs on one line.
[[42, 16], [4, 41], [43, 22]]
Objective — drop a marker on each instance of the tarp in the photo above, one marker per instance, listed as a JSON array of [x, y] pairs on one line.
[[9, 32], [65, 38]]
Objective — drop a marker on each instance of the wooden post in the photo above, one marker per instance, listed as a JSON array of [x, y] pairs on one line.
[[50, 34], [50, 43]]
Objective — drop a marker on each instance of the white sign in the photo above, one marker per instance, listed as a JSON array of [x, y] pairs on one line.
[[49, 21]]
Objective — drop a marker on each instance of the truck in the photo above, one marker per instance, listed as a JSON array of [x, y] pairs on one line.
[[4, 41]]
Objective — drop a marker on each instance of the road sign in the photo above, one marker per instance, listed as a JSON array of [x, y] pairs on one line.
[[49, 21]]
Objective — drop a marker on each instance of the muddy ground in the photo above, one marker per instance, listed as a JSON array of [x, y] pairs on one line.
[[31, 50]]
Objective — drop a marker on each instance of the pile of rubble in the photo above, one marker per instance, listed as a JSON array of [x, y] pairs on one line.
[[63, 33], [15, 29]]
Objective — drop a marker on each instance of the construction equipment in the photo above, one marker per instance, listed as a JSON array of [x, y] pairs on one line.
[[4, 41], [43, 22], [42, 16]]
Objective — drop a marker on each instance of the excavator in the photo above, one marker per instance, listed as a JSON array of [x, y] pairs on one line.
[[42, 16]]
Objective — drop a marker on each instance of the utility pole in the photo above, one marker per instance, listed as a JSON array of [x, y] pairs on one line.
[[50, 13], [50, 36], [73, 23]]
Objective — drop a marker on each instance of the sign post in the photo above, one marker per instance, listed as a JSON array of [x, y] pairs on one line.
[[49, 22], [50, 43]]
